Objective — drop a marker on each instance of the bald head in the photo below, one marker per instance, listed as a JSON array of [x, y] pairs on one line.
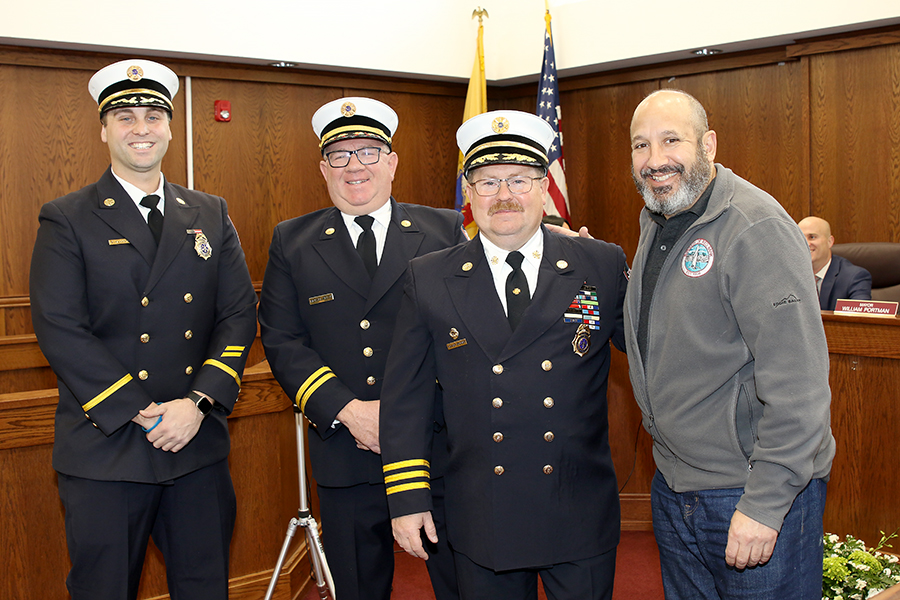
[[819, 239], [675, 100]]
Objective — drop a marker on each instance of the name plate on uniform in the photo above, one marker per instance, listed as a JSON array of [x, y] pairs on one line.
[[320, 299], [872, 308]]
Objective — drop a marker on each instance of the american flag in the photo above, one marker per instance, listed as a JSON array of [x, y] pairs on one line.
[[549, 110]]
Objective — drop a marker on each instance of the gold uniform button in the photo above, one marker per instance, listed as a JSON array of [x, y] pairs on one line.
[[364, 324], [145, 301], [498, 437], [188, 298], [548, 469], [561, 264], [548, 402], [549, 436], [367, 352], [142, 374], [95, 426], [498, 470], [546, 365], [87, 416], [467, 266], [189, 370], [370, 380], [188, 334], [109, 202], [497, 369], [496, 402], [145, 338], [329, 231], [405, 223]]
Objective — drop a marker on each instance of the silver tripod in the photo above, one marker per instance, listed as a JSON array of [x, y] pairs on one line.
[[324, 582]]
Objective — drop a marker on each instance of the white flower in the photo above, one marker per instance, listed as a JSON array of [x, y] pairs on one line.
[[860, 584]]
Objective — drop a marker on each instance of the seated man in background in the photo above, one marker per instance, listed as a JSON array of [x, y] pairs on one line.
[[836, 277]]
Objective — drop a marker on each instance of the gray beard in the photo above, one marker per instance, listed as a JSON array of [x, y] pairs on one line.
[[690, 189]]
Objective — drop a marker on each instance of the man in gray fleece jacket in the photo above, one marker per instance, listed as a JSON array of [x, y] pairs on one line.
[[729, 365]]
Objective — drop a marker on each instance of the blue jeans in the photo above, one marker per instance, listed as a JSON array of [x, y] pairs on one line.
[[691, 530]]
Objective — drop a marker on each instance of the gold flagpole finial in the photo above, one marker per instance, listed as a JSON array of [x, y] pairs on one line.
[[480, 12]]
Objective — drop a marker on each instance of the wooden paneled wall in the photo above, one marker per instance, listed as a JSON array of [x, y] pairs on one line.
[[817, 125]]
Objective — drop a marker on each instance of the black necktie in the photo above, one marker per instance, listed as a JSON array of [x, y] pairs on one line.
[[155, 218], [517, 296], [365, 245]]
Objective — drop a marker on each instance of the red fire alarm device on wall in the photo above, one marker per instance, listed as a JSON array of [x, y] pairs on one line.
[[223, 110]]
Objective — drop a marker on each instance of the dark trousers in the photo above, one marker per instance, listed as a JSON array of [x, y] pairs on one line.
[[587, 579], [359, 543], [109, 524]]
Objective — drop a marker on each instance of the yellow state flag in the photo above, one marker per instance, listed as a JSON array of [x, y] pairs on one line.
[[476, 103]]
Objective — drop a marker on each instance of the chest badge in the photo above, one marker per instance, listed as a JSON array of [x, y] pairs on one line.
[[201, 244], [582, 341], [698, 259]]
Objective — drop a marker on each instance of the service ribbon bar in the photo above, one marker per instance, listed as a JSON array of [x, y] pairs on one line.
[[585, 308]]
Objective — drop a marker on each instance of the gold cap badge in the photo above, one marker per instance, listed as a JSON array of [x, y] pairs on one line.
[[134, 73], [348, 109], [500, 125]]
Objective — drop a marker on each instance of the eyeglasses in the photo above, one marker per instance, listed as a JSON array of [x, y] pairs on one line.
[[519, 184], [341, 158]]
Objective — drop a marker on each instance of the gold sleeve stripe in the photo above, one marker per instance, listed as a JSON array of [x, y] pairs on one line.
[[416, 462], [407, 475], [214, 363], [421, 485], [234, 348], [106, 393], [312, 383], [228, 354]]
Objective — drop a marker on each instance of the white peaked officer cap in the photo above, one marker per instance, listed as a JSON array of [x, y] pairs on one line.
[[348, 118], [134, 82], [505, 137]]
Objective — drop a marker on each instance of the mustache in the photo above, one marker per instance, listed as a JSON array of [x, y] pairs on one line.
[[648, 172], [510, 205]]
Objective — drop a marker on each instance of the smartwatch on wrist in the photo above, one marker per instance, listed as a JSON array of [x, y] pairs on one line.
[[202, 402]]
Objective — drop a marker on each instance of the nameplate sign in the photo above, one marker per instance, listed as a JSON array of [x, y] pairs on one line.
[[872, 308]]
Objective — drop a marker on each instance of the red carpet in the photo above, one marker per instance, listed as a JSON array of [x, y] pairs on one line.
[[637, 572]]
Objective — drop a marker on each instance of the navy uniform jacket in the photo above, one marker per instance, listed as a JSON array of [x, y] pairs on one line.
[[844, 281], [327, 327], [124, 324], [530, 480]]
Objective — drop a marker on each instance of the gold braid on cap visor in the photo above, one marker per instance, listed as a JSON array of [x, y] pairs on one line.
[[156, 96], [355, 129], [506, 144]]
